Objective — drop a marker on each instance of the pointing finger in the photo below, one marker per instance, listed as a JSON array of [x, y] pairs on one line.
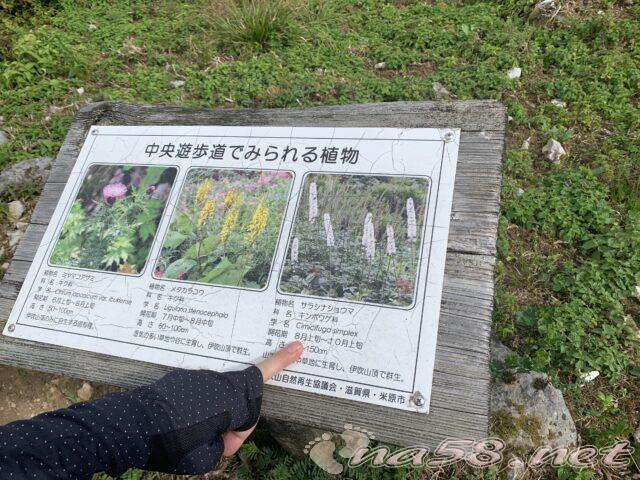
[[280, 360]]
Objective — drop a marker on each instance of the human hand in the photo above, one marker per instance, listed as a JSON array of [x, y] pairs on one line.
[[269, 367]]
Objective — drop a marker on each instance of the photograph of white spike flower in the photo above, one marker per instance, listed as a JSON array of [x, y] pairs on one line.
[[313, 202], [370, 240], [365, 229], [328, 230], [391, 241], [367, 249], [411, 221]]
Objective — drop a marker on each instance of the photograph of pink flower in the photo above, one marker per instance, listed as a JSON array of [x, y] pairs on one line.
[[226, 227], [357, 238], [114, 218]]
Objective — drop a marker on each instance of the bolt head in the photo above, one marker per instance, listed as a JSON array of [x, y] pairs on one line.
[[419, 399], [11, 328]]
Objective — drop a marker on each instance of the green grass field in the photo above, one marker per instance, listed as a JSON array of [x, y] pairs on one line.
[[569, 247]]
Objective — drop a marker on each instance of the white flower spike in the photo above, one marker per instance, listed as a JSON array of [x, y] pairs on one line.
[[328, 230], [313, 202], [412, 229]]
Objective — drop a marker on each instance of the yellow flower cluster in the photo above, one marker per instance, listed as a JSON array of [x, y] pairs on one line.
[[258, 221], [230, 198], [229, 223], [207, 211], [203, 191]]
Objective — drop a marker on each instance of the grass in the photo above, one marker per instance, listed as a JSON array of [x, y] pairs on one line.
[[568, 247]]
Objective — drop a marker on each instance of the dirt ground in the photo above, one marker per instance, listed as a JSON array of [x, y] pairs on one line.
[[26, 393]]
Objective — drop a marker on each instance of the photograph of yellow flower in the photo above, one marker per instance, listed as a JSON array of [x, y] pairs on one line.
[[357, 238], [114, 218], [225, 228]]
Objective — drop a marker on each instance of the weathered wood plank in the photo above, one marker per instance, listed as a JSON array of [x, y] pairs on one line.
[[461, 374]]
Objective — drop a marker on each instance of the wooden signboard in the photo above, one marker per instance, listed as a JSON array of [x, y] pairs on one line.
[[466, 140]]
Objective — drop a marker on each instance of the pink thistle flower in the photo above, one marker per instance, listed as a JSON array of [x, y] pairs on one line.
[[264, 180], [181, 276], [283, 175], [114, 191], [158, 273], [151, 188]]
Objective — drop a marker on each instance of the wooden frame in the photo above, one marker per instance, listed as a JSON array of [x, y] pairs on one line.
[[459, 403]]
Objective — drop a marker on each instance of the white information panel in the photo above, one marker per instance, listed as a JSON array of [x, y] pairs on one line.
[[210, 247]]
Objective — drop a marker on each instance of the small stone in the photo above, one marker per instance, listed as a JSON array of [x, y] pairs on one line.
[[22, 226], [12, 405], [5, 266], [177, 83], [4, 137], [556, 102], [519, 192], [80, 90], [55, 109], [14, 238], [36, 169], [510, 118], [636, 434], [600, 12], [380, 66], [440, 91], [85, 392], [589, 376], [515, 72], [553, 151], [637, 293], [16, 210], [526, 144], [92, 27]]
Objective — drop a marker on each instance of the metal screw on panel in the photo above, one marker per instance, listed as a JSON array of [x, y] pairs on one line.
[[449, 136], [418, 399], [94, 131], [11, 328]]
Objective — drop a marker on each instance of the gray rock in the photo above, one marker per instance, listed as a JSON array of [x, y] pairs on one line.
[[553, 150], [531, 412], [499, 352], [14, 238], [440, 91], [4, 137], [16, 210], [177, 83], [33, 169], [85, 392], [380, 66], [515, 72], [636, 434]]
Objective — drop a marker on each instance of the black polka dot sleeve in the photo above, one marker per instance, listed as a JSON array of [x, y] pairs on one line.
[[174, 425]]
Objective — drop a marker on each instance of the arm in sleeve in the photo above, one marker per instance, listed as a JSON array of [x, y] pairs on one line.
[[174, 425]]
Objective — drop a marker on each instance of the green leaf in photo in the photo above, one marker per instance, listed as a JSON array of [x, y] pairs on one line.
[[174, 239], [180, 267], [226, 273]]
